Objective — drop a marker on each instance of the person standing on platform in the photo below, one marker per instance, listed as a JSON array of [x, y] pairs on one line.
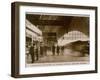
[[41, 49], [31, 52], [58, 50], [36, 52], [62, 50], [45, 50], [53, 50]]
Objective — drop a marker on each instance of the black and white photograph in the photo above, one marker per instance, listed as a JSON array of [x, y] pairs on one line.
[[54, 39]]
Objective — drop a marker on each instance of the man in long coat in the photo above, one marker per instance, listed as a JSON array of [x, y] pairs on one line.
[[58, 50], [31, 51], [53, 50]]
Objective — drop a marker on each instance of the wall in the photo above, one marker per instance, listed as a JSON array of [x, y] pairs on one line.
[[5, 41]]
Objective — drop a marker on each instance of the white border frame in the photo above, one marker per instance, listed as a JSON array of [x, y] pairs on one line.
[[57, 68]]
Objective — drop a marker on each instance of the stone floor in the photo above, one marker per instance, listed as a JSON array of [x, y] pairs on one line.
[[68, 56]]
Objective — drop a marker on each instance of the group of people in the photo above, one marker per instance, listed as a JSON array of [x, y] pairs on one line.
[[36, 51], [39, 51], [33, 51], [57, 50]]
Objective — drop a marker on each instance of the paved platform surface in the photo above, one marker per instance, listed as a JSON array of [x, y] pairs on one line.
[[59, 58]]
